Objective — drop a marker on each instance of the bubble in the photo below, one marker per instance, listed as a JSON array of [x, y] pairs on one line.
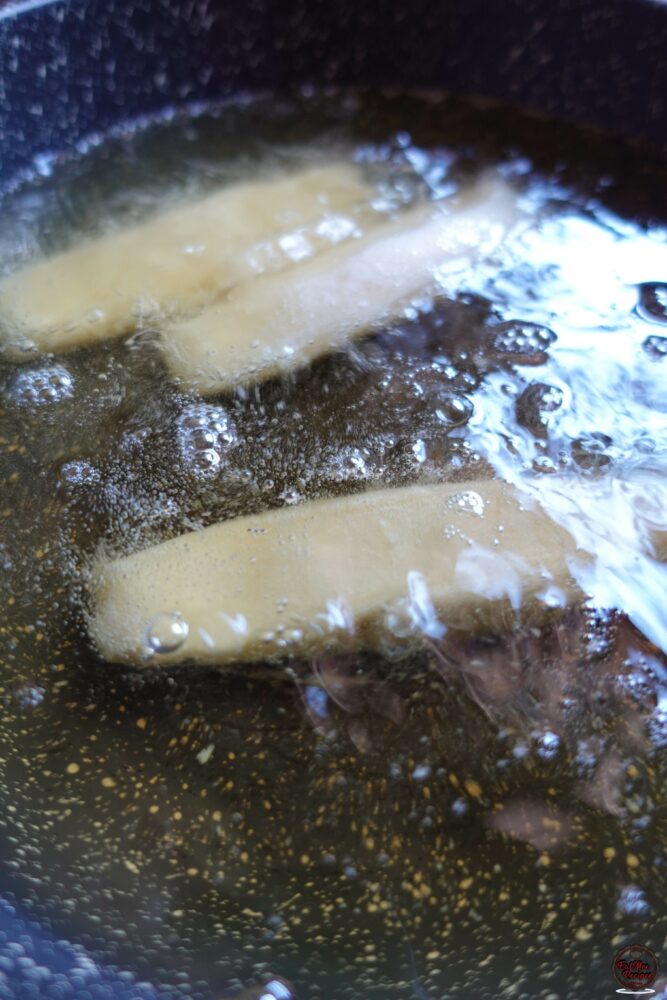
[[548, 745], [468, 501], [204, 434], [290, 497], [419, 450], [522, 343], [40, 386], [632, 902], [460, 374], [544, 464], [441, 396], [590, 451], [452, 409], [657, 726], [207, 461], [655, 347], [533, 407], [166, 633], [277, 989], [78, 472], [652, 304], [44, 163], [30, 696], [349, 464], [317, 700], [599, 633]]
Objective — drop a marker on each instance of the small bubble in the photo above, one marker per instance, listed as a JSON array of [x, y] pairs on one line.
[[652, 304], [655, 347], [535, 404], [44, 163], [317, 701], [632, 902], [462, 376], [590, 450], [291, 497], [545, 465], [522, 343], [166, 633], [657, 727], [40, 386], [645, 445], [548, 745]]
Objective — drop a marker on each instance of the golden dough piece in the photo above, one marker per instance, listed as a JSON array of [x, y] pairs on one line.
[[175, 261], [315, 574], [278, 322]]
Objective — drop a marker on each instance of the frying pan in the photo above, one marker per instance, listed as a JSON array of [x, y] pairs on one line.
[[72, 69]]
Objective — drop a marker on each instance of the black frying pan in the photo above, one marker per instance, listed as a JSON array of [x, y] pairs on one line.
[[71, 69]]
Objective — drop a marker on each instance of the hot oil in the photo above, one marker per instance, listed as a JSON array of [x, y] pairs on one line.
[[455, 815]]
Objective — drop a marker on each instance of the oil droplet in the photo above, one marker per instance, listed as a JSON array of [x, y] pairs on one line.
[[166, 633]]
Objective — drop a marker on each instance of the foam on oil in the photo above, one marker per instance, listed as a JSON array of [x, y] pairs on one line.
[[209, 831]]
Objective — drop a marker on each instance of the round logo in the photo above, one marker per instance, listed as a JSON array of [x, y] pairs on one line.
[[635, 969]]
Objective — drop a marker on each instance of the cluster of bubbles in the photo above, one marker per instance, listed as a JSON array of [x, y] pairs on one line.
[[205, 434], [652, 307], [32, 966], [518, 342], [47, 385]]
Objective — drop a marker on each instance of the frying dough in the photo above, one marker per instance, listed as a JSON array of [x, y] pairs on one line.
[[175, 261], [330, 571], [280, 321]]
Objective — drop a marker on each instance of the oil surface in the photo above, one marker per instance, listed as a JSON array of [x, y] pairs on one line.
[[456, 817]]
